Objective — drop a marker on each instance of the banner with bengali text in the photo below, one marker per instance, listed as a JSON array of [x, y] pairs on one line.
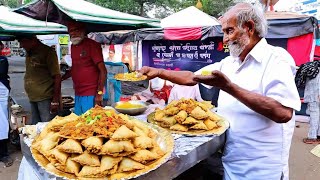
[[183, 55]]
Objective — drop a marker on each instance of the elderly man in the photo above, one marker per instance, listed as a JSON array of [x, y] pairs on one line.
[[42, 80], [88, 70], [4, 123], [258, 96]]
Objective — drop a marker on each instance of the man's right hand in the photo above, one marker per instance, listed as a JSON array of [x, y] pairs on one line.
[[150, 72]]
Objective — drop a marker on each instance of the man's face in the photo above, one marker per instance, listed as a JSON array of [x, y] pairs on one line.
[[236, 38], [26, 44], [77, 34], [111, 54]]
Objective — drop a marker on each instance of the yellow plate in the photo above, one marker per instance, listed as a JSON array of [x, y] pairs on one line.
[[129, 77], [163, 138], [217, 131]]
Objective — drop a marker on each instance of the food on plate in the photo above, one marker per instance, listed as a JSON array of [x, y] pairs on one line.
[[187, 116], [179, 127], [129, 165], [123, 133], [128, 105], [133, 76], [70, 146], [72, 166], [143, 142], [87, 158], [101, 144], [143, 156], [93, 144]]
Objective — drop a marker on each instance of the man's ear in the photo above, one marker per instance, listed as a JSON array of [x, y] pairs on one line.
[[250, 26]]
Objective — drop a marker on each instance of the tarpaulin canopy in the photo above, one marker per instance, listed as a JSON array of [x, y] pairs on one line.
[[12, 23], [281, 25], [97, 18], [189, 17]]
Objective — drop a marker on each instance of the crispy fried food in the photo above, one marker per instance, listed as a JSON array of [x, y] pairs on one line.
[[93, 144], [70, 146], [123, 133], [179, 127], [143, 156], [171, 111], [87, 159], [129, 165], [159, 115], [210, 124], [143, 142], [199, 126], [181, 116], [198, 113]]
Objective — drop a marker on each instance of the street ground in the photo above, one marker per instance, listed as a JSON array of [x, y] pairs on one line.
[[303, 164]]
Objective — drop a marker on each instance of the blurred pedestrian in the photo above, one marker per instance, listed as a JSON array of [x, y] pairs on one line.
[[42, 80], [4, 97]]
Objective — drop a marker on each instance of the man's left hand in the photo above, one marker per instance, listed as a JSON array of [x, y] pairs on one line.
[[98, 100], [54, 107], [216, 79]]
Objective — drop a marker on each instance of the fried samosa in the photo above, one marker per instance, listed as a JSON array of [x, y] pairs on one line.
[[87, 159], [123, 133], [129, 165], [70, 146]]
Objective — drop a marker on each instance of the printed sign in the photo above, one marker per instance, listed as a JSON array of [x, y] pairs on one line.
[[183, 55]]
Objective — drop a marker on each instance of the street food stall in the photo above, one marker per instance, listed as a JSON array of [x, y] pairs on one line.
[[179, 152]]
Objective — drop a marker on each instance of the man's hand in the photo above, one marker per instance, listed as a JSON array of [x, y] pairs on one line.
[[216, 79], [150, 72], [54, 107], [98, 100]]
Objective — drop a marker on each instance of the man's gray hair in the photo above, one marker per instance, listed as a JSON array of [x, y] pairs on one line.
[[256, 14]]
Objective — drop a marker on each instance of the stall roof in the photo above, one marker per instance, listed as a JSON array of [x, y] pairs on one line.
[[14, 23], [189, 17], [97, 18]]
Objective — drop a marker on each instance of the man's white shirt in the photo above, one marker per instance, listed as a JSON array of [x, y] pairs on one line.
[[257, 147]]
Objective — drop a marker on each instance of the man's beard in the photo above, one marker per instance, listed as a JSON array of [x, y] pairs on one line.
[[236, 47], [76, 40]]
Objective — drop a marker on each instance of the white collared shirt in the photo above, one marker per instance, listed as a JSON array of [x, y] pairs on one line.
[[180, 91], [257, 147]]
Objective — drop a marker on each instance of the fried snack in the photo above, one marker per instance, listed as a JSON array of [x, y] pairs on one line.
[[143, 142], [198, 113], [157, 150], [70, 146], [108, 162], [181, 116], [113, 147], [168, 121], [100, 144], [93, 144], [129, 165], [207, 104], [72, 166], [171, 111], [212, 116], [89, 172], [133, 76], [199, 126], [210, 124], [159, 115], [123, 133], [143, 156], [58, 155], [87, 159], [179, 127], [139, 132], [190, 121], [58, 122]]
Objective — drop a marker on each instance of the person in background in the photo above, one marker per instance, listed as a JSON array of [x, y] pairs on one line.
[[111, 53], [258, 96], [311, 73], [88, 70], [4, 97], [180, 91], [42, 80]]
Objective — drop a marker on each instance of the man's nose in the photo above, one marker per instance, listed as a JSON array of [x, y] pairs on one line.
[[225, 39]]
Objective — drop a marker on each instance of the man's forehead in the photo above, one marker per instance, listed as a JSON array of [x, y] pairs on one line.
[[228, 20]]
